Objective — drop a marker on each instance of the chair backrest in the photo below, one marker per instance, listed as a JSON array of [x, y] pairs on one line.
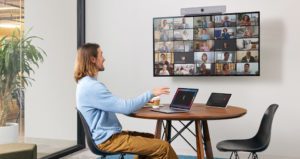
[[263, 135], [93, 147]]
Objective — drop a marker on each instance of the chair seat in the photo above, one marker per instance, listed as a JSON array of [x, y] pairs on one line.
[[247, 145]]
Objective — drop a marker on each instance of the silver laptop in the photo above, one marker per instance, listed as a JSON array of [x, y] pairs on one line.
[[182, 101]]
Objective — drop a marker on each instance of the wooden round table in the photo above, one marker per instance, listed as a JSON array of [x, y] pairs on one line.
[[199, 114]]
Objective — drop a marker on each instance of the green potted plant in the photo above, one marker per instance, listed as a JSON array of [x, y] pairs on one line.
[[18, 59]]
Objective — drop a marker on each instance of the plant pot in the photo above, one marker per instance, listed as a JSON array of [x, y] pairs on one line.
[[9, 133]]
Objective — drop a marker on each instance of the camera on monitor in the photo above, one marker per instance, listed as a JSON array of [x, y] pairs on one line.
[[203, 10]]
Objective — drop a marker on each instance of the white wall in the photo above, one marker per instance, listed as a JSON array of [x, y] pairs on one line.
[[124, 30], [50, 102]]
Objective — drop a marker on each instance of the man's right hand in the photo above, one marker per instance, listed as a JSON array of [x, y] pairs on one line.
[[160, 91]]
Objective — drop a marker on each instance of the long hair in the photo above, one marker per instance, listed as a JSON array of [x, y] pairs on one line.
[[83, 64]]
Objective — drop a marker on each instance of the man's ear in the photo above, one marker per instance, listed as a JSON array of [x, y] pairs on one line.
[[93, 59]]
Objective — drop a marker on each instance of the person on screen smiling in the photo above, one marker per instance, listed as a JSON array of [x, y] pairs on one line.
[[226, 57], [204, 46], [164, 70], [203, 34], [164, 60], [225, 35], [202, 70], [245, 21], [99, 107], [246, 68], [204, 58], [226, 69], [225, 22], [248, 32], [165, 25], [248, 57]]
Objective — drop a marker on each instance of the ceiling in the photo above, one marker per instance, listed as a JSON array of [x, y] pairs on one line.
[[11, 11]]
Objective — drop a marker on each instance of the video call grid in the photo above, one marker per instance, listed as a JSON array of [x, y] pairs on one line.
[[235, 24]]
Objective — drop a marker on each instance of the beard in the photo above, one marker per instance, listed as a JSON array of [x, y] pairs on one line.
[[101, 68]]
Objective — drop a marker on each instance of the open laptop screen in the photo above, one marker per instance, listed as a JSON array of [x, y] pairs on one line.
[[218, 99], [184, 98]]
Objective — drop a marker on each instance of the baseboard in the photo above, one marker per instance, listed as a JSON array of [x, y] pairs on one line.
[[218, 154], [267, 156]]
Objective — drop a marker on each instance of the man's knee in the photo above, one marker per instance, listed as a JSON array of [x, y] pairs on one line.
[[165, 145]]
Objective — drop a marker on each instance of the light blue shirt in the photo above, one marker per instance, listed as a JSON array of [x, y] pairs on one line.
[[204, 37], [98, 106]]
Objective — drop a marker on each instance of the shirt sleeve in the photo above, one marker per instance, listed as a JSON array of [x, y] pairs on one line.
[[106, 101]]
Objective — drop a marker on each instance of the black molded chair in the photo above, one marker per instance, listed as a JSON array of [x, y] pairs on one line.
[[258, 143], [93, 147]]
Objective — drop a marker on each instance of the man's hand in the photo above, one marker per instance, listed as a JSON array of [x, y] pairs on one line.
[[160, 91]]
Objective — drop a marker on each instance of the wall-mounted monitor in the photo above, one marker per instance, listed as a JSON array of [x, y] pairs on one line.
[[207, 45]]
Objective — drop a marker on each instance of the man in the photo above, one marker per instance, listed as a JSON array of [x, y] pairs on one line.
[[226, 57], [248, 57], [164, 60], [226, 22], [183, 25], [98, 106], [247, 68]]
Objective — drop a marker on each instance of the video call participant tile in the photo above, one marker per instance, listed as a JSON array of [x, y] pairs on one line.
[[225, 20], [184, 69], [247, 44], [184, 58], [247, 68], [225, 45]]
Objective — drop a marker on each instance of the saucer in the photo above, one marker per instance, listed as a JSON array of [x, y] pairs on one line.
[[155, 106], [150, 105]]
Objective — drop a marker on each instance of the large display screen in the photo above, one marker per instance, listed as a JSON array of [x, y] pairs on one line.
[[207, 45]]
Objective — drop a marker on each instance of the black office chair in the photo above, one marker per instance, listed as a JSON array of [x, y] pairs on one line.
[[258, 143], [93, 147]]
